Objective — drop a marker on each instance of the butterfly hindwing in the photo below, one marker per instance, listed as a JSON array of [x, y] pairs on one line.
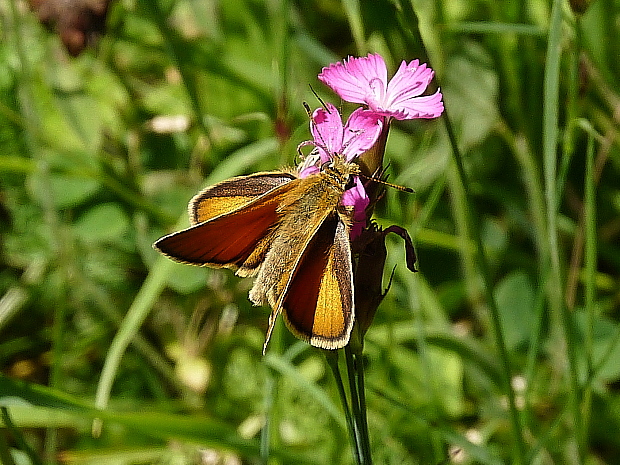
[[318, 302]]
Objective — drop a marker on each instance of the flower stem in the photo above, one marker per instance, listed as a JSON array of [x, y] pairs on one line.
[[355, 371], [355, 411], [332, 360]]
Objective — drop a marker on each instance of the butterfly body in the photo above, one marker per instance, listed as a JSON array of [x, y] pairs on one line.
[[292, 233]]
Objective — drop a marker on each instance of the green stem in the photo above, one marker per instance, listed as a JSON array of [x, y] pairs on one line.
[[19, 438], [534, 190], [362, 419], [359, 427], [590, 285], [332, 360], [150, 290], [561, 316], [265, 435]]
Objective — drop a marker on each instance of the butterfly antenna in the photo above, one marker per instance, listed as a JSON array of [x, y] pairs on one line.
[[389, 184], [308, 110], [318, 98]]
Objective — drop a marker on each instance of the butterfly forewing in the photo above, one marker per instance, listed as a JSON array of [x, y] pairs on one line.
[[231, 227], [233, 194], [318, 302]]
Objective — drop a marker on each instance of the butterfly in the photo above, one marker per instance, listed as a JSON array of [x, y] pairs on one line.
[[292, 233]]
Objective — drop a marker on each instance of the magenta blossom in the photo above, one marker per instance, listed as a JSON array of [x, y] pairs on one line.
[[358, 199], [364, 80], [349, 141], [331, 137]]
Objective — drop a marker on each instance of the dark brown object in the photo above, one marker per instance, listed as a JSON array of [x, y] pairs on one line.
[[78, 22]]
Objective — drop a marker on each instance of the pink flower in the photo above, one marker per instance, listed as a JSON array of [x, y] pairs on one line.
[[349, 141], [364, 80], [358, 134], [331, 137]]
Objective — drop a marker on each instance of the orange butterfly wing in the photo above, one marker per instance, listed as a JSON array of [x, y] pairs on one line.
[[230, 221], [318, 301]]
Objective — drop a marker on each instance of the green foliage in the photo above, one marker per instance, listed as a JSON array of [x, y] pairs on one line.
[[504, 348]]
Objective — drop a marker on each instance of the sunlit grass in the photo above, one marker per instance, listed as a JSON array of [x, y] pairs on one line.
[[503, 348]]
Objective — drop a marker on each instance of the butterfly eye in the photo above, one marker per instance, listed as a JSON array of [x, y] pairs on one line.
[[350, 183]]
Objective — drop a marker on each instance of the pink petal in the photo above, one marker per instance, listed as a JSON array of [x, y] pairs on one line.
[[327, 131], [361, 132], [357, 79], [309, 170], [357, 197], [409, 81], [427, 106]]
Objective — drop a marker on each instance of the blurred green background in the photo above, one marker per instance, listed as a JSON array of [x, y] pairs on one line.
[[100, 153]]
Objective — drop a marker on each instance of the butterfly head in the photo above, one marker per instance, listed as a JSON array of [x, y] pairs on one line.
[[340, 171]]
